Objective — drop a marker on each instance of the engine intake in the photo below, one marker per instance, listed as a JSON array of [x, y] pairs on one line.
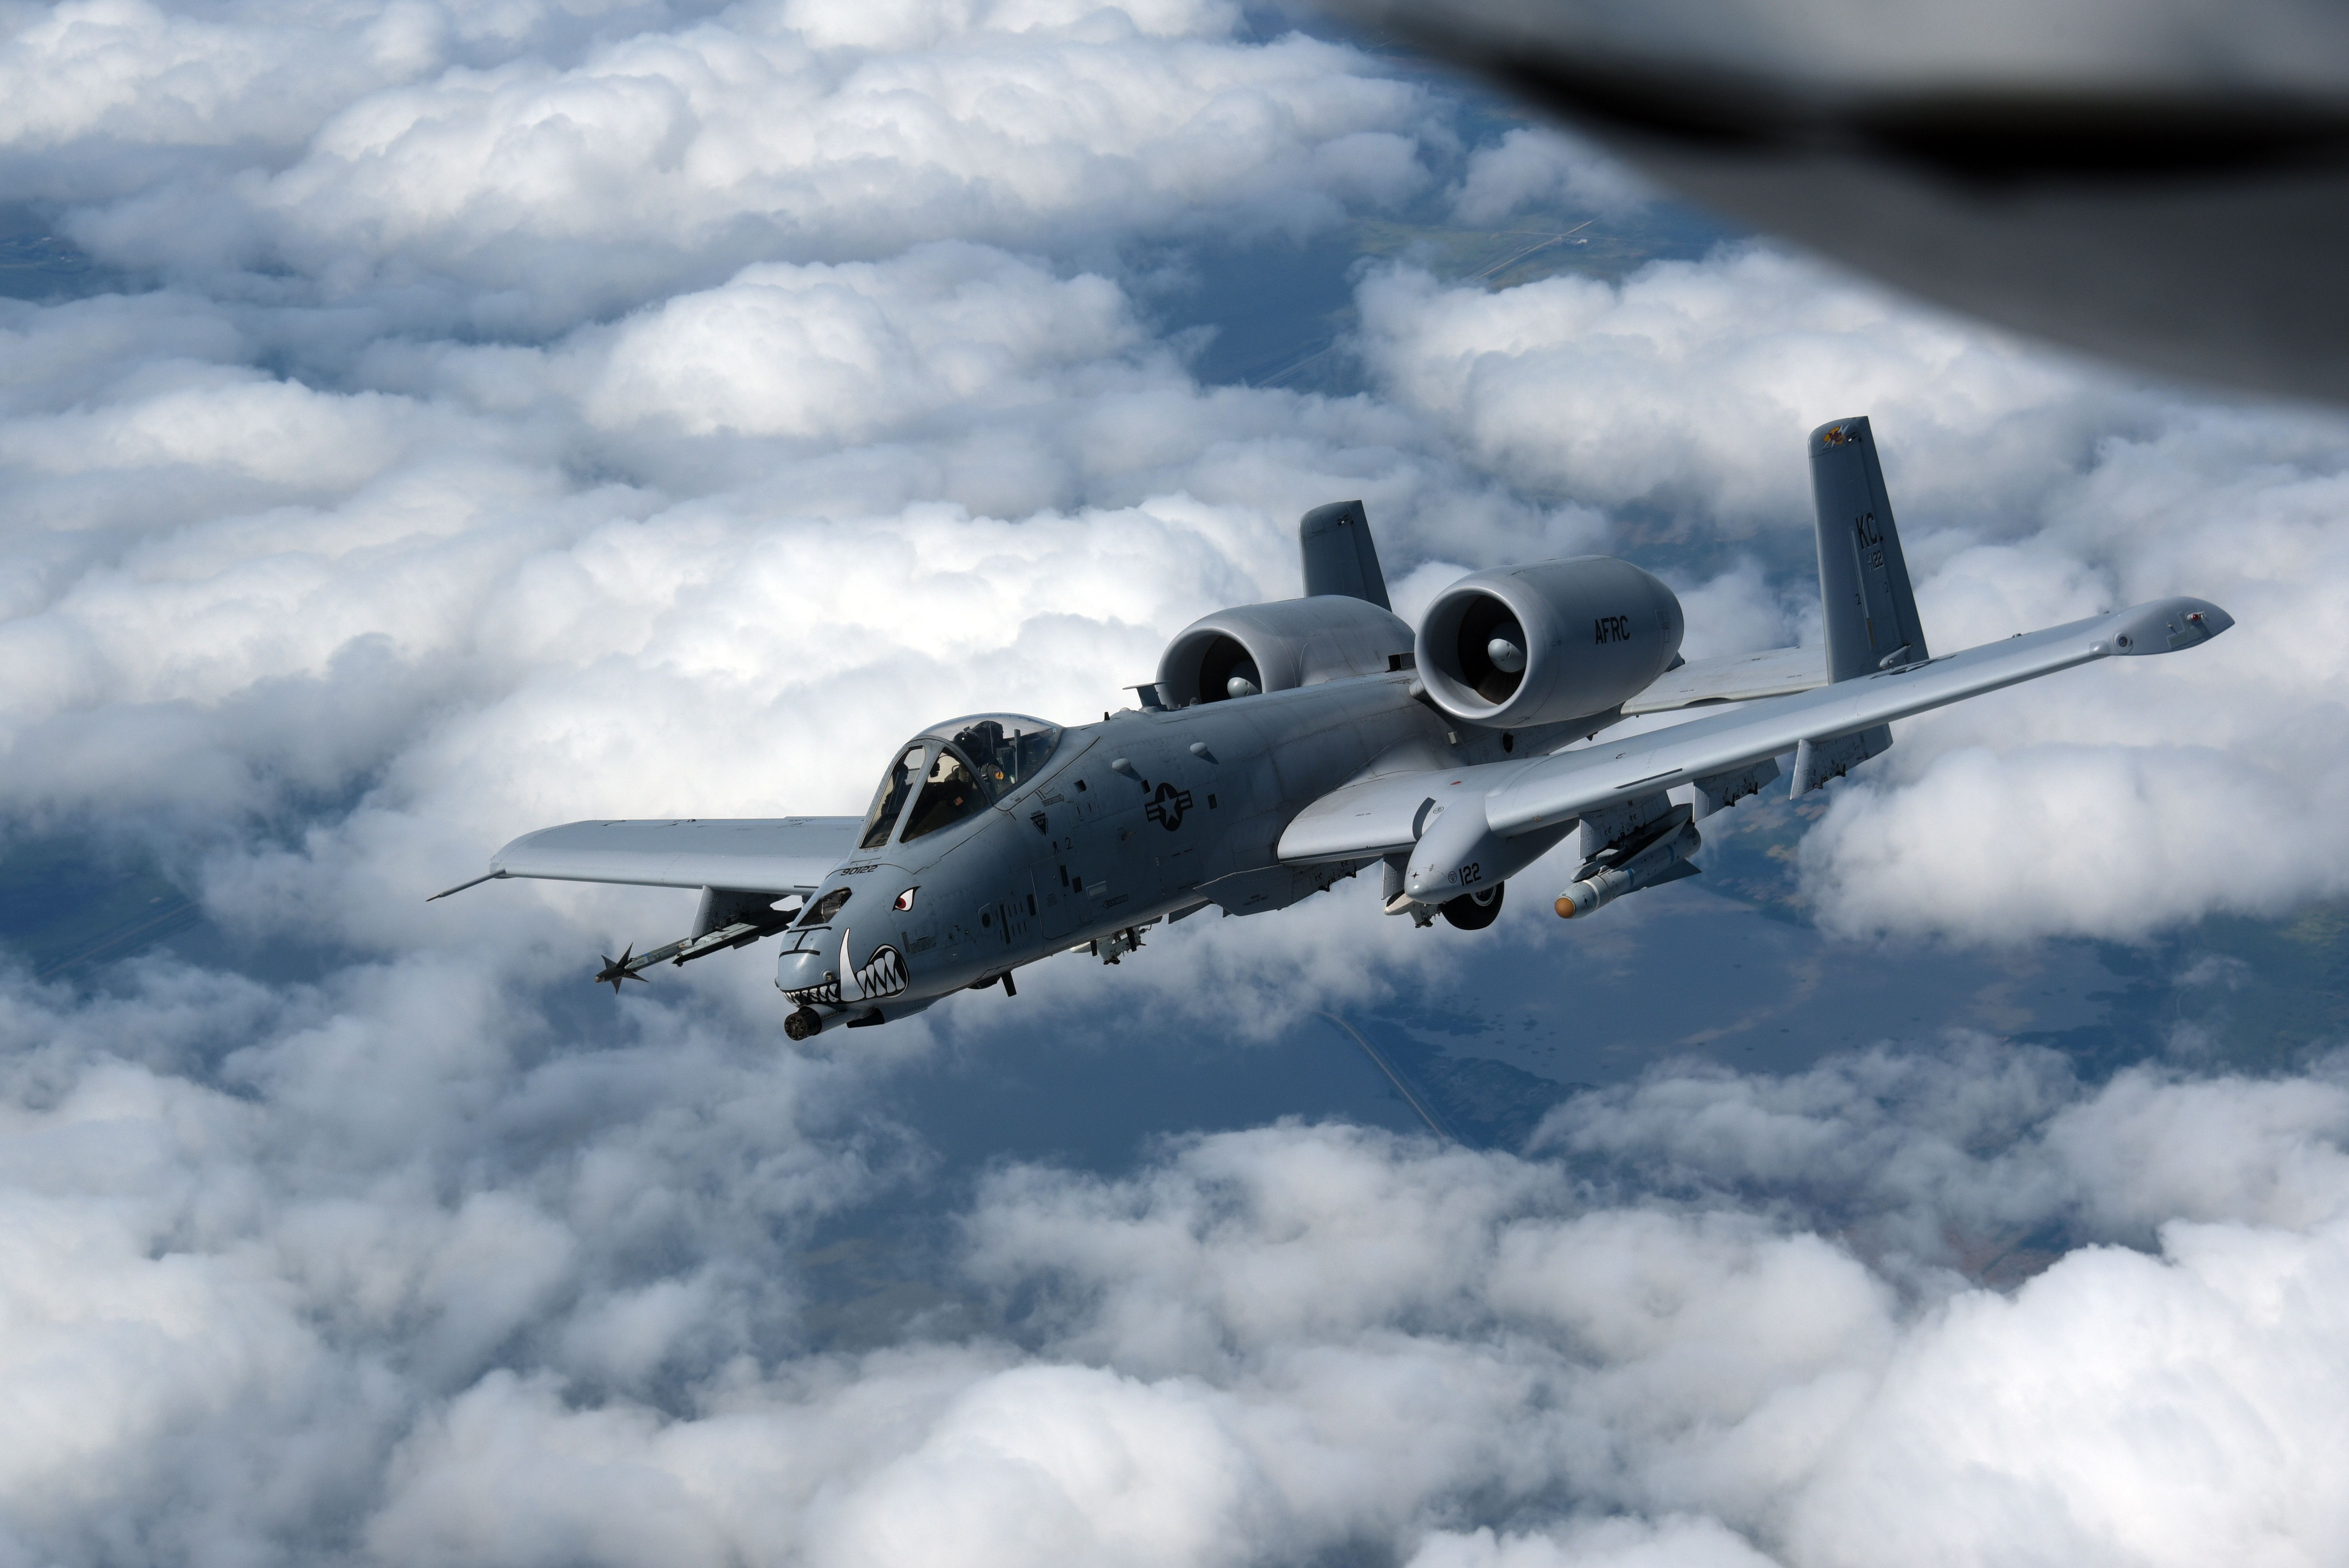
[[1291, 642], [1521, 646]]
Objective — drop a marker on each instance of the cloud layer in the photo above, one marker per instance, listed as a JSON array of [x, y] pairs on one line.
[[489, 417], [229, 1342]]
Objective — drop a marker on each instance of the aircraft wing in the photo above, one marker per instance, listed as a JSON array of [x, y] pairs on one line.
[[1778, 672], [1382, 815], [756, 854]]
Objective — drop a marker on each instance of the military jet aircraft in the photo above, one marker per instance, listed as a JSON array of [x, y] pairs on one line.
[[1286, 745]]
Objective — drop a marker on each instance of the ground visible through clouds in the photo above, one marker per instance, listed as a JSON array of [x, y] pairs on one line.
[[422, 425]]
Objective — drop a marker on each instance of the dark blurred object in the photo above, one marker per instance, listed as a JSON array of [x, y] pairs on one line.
[[2164, 184]]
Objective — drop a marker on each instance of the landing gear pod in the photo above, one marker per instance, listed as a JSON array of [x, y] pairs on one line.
[[1460, 852]]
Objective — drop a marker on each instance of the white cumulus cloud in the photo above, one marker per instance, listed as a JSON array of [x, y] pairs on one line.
[[481, 417]]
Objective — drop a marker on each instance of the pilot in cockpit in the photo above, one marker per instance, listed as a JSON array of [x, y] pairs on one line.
[[950, 774]]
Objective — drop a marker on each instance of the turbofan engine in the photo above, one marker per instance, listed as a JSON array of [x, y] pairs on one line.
[[1521, 646], [1255, 648]]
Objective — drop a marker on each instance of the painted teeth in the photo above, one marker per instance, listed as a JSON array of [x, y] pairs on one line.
[[883, 976]]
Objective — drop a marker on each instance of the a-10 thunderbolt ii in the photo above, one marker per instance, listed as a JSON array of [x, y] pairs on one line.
[[1286, 745]]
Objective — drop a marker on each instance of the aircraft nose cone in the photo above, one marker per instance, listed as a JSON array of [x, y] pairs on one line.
[[799, 971]]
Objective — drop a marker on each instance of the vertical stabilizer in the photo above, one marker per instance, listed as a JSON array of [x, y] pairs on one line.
[[1870, 611], [1338, 555]]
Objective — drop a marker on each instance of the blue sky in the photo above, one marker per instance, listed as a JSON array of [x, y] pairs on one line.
[[420, 425]]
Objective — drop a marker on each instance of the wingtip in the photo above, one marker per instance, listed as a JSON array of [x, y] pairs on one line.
[[2165, 626]]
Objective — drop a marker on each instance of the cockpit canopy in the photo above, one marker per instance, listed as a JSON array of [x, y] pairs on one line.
[[954, 770]]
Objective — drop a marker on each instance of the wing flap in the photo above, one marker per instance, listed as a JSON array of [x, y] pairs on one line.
[[760, 854], [1740, 677]]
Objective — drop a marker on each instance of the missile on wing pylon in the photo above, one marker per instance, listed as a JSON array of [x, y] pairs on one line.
[[1665, 859]]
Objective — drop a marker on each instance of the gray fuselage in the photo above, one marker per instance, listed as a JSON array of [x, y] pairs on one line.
[[1146, 814]]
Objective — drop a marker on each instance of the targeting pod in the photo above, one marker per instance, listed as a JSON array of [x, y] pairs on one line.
[[1665, 859]]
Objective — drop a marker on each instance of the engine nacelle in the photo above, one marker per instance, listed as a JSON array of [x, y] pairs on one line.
[[1271, 647], [1521, 646]]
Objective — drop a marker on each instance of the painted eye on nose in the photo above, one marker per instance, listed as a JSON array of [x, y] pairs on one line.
[[905, 899]]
